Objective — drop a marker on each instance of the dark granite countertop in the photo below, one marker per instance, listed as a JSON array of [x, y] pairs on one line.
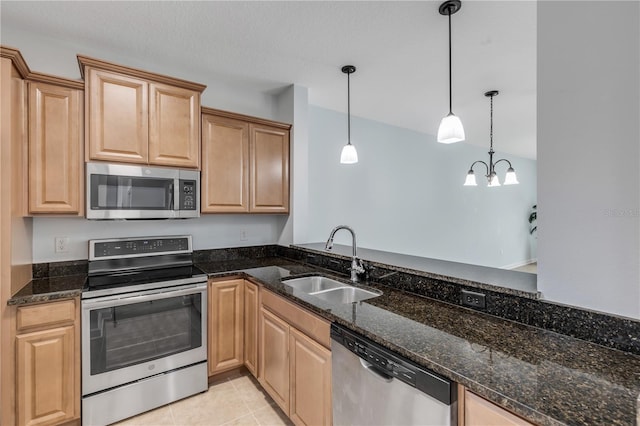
[[46, 289], [518, 283], [546, 377]]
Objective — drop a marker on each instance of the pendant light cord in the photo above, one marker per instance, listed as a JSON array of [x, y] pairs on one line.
[[491, 124], [450, 101], [348, 109]]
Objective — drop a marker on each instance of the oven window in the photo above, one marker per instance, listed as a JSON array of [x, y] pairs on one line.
[[132, 334], [131, 193]]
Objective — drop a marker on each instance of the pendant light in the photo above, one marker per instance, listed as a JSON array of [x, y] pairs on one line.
[[450, 129], [492, 178], [349, 154]]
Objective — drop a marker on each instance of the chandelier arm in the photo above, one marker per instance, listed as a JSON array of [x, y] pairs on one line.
[[480, 161], [502, 159]]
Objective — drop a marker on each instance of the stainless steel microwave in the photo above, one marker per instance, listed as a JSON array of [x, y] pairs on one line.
[[118, 191]]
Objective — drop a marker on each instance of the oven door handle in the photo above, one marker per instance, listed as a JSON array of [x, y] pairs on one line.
[[138, 298]]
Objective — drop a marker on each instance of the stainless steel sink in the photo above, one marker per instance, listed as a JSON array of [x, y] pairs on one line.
[[345, 295], [330, 290], [313, 284]]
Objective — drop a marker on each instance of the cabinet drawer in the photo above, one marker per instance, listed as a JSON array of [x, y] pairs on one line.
[[45, 314], [312, 325]]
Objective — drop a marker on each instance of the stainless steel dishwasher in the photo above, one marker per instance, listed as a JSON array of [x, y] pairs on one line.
[[374, 386]]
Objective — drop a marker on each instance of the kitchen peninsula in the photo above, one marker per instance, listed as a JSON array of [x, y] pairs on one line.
[[542, 376]]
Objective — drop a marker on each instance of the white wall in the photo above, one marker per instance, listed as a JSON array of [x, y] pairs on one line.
[[406, 195], [589, 154]]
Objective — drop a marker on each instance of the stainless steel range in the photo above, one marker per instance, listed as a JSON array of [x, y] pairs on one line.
[[144, 327]]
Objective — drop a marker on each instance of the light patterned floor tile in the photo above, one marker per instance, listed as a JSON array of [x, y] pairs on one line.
[[248, 420], [220, 404], [251, 392], [271, 415]]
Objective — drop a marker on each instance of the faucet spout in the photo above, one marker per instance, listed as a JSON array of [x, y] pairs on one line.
[[356, 264]]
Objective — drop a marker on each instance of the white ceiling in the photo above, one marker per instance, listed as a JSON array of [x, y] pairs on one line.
[[399, 49]]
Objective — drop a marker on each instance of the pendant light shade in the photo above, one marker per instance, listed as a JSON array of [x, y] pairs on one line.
[[510, 178], [492, 178], [471, 179], [349, 154], [450, 130]]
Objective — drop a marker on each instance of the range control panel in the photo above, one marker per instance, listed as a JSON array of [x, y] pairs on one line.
[[140, 246]]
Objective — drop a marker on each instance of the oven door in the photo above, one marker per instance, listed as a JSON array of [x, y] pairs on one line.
[[129, 337]]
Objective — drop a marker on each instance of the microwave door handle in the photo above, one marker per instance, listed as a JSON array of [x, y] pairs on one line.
[[176, 197], [171, 194]]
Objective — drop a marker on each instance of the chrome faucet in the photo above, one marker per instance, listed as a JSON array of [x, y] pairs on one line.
[[356, 264]]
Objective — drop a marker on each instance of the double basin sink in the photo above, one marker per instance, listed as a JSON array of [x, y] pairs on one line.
[[330, 290]]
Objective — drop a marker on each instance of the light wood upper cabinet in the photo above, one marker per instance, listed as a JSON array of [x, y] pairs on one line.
[[48, 363], [134, 116], [174, 130], [245, 164], [226, 325], [117, 117], [251, 313], [225, 165], [269, 169], [56, 165]]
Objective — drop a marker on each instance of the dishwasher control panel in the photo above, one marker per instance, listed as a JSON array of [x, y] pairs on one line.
[[391, 365]]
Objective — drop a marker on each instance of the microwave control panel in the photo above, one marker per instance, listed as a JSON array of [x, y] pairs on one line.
[[188, 193]]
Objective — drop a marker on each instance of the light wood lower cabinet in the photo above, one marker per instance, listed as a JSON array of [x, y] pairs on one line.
[[310, 376], [295, 369], [274, 358], [48, 363], [226, 325], [251, 311], [477, 411], [233, 325]]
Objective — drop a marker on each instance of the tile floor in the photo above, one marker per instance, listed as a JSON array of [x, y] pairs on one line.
[[236, 400]]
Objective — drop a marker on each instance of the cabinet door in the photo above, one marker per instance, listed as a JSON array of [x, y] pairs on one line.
[[174, 126], [310, 369], [269, 151], [55, 149], [45, 376], [225, 165], [479, 412], [117, 117], [251, 310], [226, 318], [274, 358]]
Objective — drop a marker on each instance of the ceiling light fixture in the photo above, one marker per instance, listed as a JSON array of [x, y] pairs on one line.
[[450, 129], [349, 154], [492, 178]]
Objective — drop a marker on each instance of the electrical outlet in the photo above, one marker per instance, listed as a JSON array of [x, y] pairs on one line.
[[473, 299], [244, 235], [62, 244]]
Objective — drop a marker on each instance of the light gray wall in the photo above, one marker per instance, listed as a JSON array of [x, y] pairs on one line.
[[58, 57], [589, 154], [210, 231], [406, 195]]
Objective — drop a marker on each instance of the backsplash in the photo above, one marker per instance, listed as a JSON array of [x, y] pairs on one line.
[[606, 330]]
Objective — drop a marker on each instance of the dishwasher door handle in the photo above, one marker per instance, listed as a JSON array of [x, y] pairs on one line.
[[375, 371]]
